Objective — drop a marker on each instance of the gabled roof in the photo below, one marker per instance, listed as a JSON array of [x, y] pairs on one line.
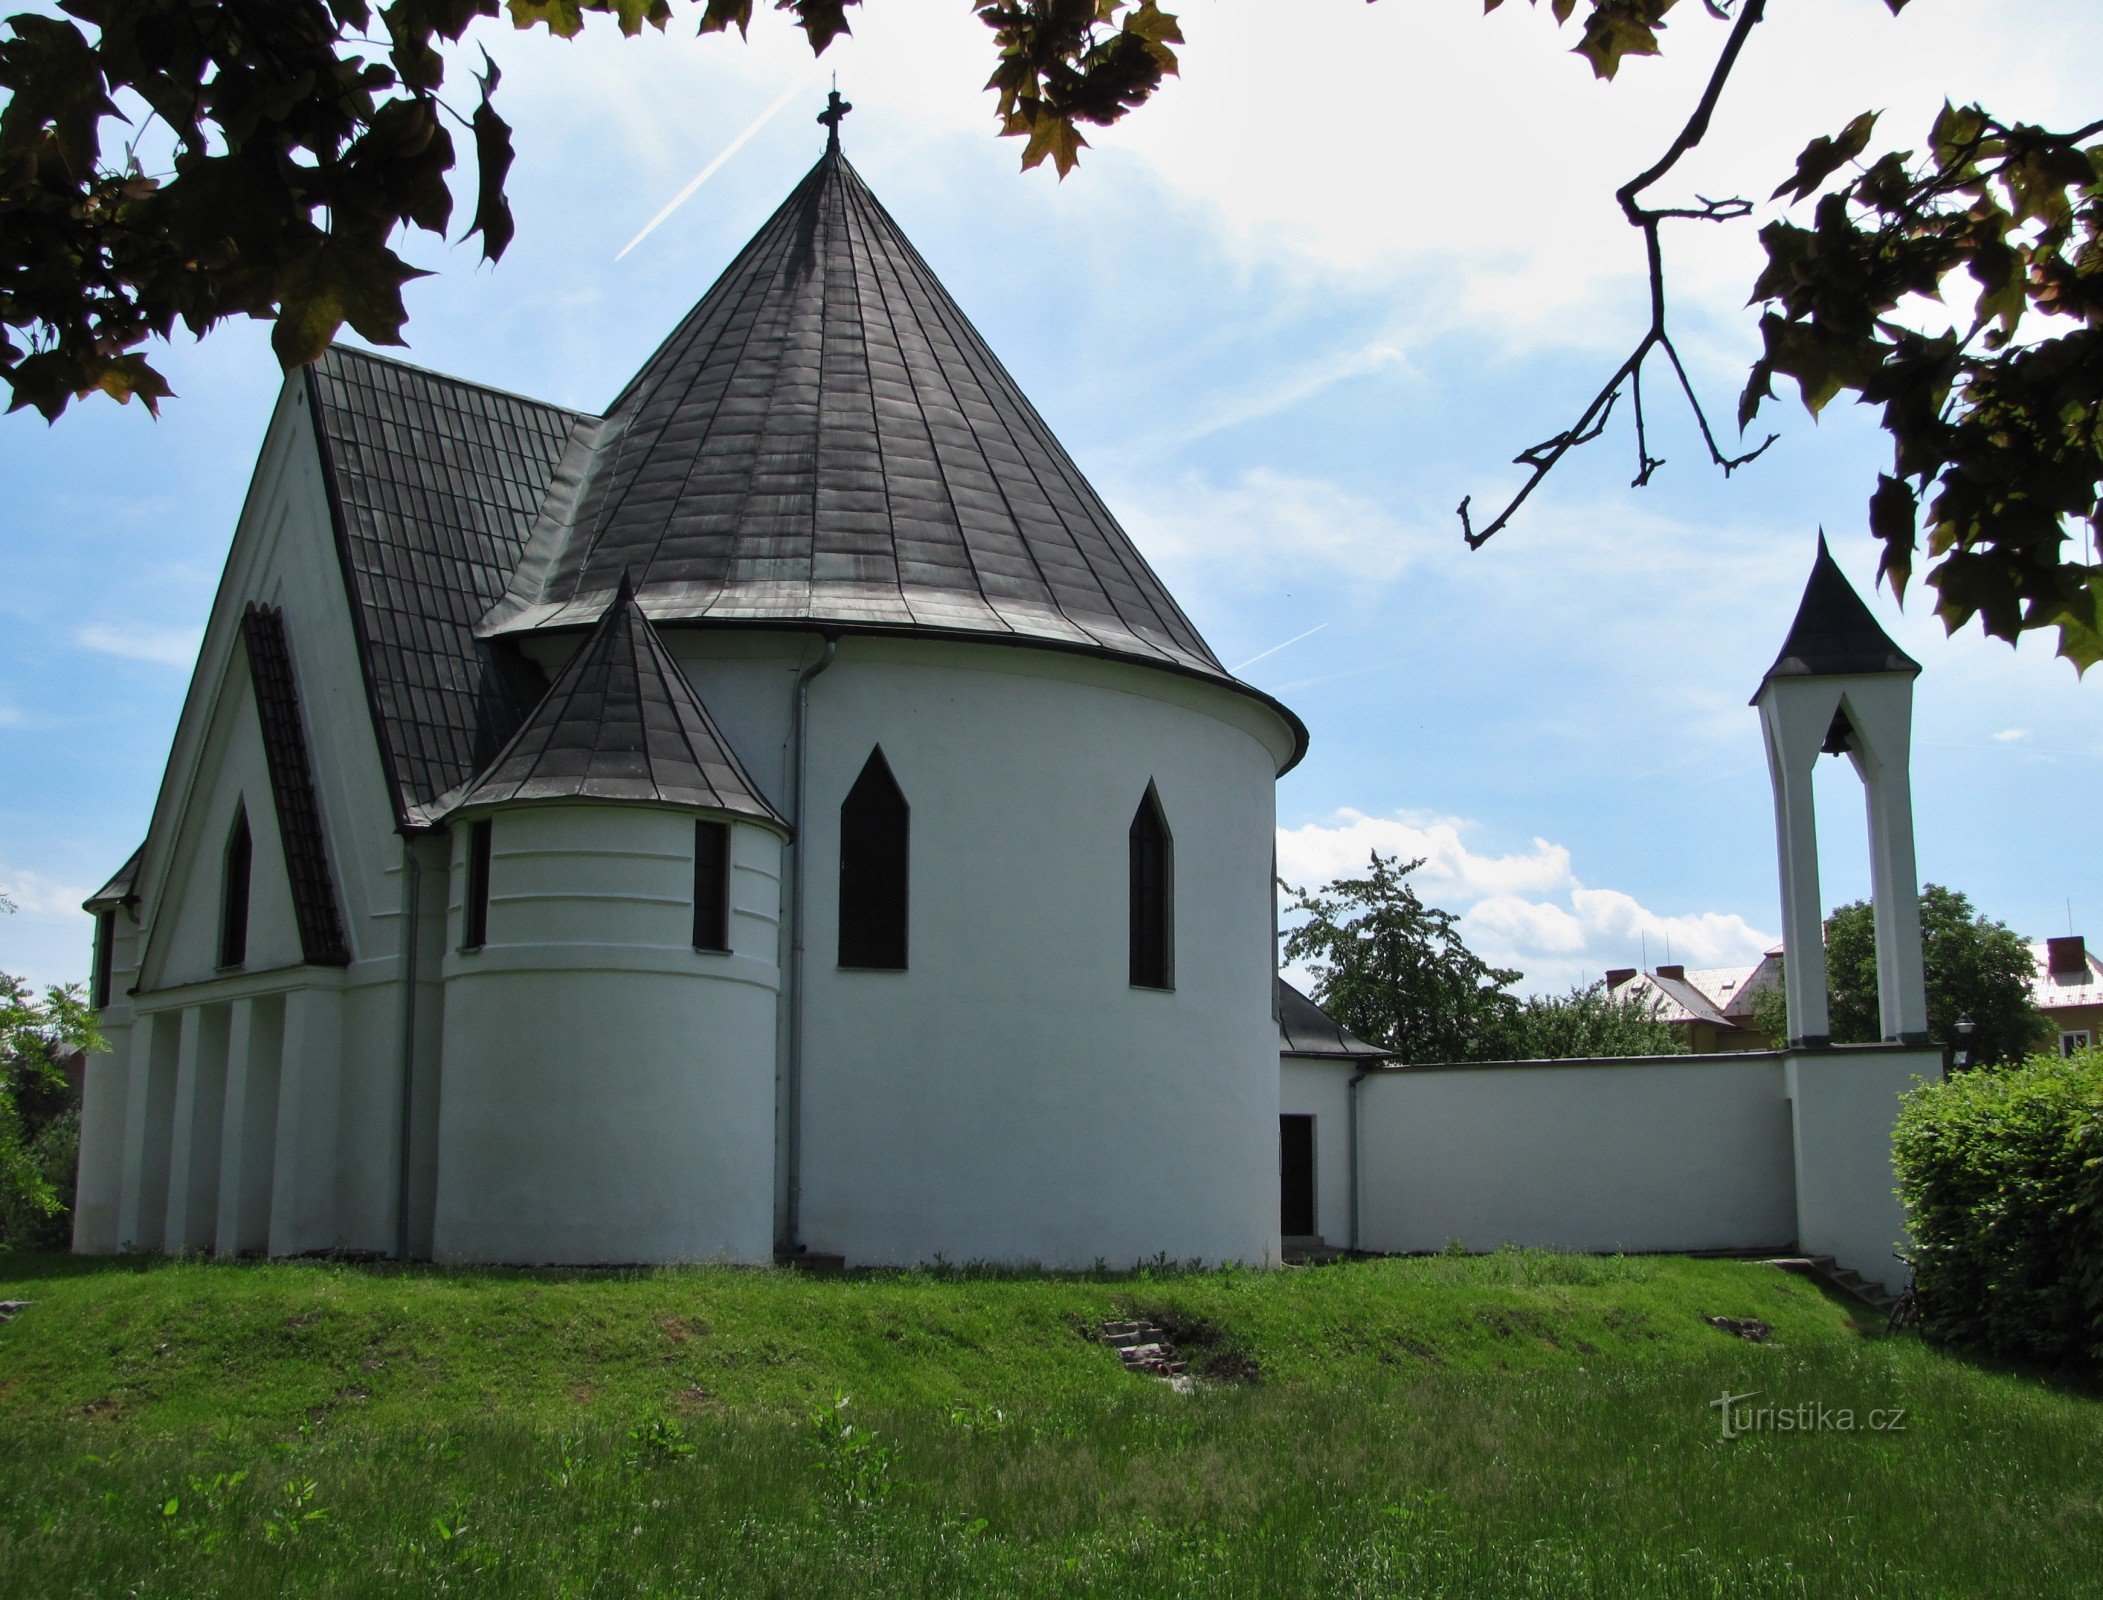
[[119, 889], [1305, 1029], [621, 722], [433, 484], [1834, 633], [826, 439], [2080, 985]]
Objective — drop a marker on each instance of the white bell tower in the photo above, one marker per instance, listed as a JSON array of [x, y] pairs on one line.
[[1840, 686]]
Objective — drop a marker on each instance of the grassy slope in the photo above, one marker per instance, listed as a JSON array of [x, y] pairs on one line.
[[1520, 1423]]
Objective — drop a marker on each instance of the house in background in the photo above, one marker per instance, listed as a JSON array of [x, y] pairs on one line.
[[1711, 1006], [2068, 989], [1714, 1006]]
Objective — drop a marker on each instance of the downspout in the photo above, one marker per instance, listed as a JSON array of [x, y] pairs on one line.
[[412, 892], [793, 1089], [1351, 1138]]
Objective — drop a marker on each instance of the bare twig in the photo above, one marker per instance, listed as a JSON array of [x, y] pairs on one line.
[[1541, 459]]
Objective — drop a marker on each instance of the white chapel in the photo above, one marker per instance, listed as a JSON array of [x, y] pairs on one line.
[[781, 816]]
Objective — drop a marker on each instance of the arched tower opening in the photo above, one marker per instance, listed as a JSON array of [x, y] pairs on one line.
[[1841, 687]]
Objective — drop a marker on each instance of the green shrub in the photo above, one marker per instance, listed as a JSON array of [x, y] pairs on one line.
[[42, 1219], [2002, 1171]]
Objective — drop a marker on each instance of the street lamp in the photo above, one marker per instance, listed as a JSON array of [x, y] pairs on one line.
[[1965, 1025]]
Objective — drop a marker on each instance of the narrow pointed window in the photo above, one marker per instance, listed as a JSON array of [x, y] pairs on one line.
[[711, 885], [105, 956], [474, 913], [233, 893], [1153, 896], [875, 830]]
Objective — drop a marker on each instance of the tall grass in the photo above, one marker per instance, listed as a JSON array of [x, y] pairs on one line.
[[1512, 1425]]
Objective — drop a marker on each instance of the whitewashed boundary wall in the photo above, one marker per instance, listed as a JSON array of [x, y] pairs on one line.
[[1737, 1152]]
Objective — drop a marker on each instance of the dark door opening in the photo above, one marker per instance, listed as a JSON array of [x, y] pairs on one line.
[[1296, 1177]]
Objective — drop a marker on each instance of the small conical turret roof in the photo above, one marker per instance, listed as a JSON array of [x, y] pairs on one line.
[[621, 722], [1834, 633], [825, 439]]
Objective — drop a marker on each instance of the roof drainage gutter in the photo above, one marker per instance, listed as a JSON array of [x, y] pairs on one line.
[[792, 1114], [412, 906]]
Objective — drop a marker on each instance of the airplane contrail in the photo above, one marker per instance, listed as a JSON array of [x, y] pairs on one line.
[[1274, 649], [710, 170]]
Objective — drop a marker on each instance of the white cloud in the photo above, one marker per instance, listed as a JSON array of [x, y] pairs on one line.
[[1452, 874], [2010, 735], [1524, 909], [166, 646], [1264, 526], [1508, 202], [34, 894]]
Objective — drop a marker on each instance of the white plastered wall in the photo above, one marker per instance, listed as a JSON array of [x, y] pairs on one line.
[[1846, 1101], [1319, 1087], [211, 1069], [1011, 1097], [609, 1090], [1670, 1153]]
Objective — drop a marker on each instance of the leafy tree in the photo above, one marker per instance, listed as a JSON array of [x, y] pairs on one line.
[[1395, 971], [1976, 968], [306, 134], [39, 1109], [1587, 1022], [1770, 1012]]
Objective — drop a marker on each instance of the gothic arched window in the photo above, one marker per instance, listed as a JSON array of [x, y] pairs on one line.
[[233, 892], [1153, 896], [875, 828]]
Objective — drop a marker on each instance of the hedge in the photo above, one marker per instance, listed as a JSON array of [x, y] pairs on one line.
[[2001, 1170]]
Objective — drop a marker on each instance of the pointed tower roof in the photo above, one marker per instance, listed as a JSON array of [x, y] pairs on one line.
[[825, 439], [1835, 634], [621, 722]]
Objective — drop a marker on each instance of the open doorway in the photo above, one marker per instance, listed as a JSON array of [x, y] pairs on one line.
[[1296, 1177]]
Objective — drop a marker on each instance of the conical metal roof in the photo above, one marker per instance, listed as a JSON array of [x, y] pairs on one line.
[[620, 722], [1834, 633], [825, 439]]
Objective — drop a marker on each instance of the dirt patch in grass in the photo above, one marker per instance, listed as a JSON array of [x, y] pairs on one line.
[[1513, 1322], [695, 1401], [1215, 1356], [681, 1329]]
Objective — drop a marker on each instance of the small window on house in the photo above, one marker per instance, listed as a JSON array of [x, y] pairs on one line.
[[2073, 1040], [233, 893], [875, 827], [105, 957], [711, 885], [474, 915], [1153, 896]]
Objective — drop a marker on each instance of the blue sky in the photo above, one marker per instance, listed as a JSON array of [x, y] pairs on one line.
[[1284, 318]]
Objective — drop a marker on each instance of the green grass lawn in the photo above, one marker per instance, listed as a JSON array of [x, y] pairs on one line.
[[1518, 1424]]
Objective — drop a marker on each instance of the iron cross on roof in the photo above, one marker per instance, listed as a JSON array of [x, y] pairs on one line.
[[834, 113]]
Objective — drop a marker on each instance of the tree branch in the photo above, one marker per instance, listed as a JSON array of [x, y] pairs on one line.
[[1542, 458]]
